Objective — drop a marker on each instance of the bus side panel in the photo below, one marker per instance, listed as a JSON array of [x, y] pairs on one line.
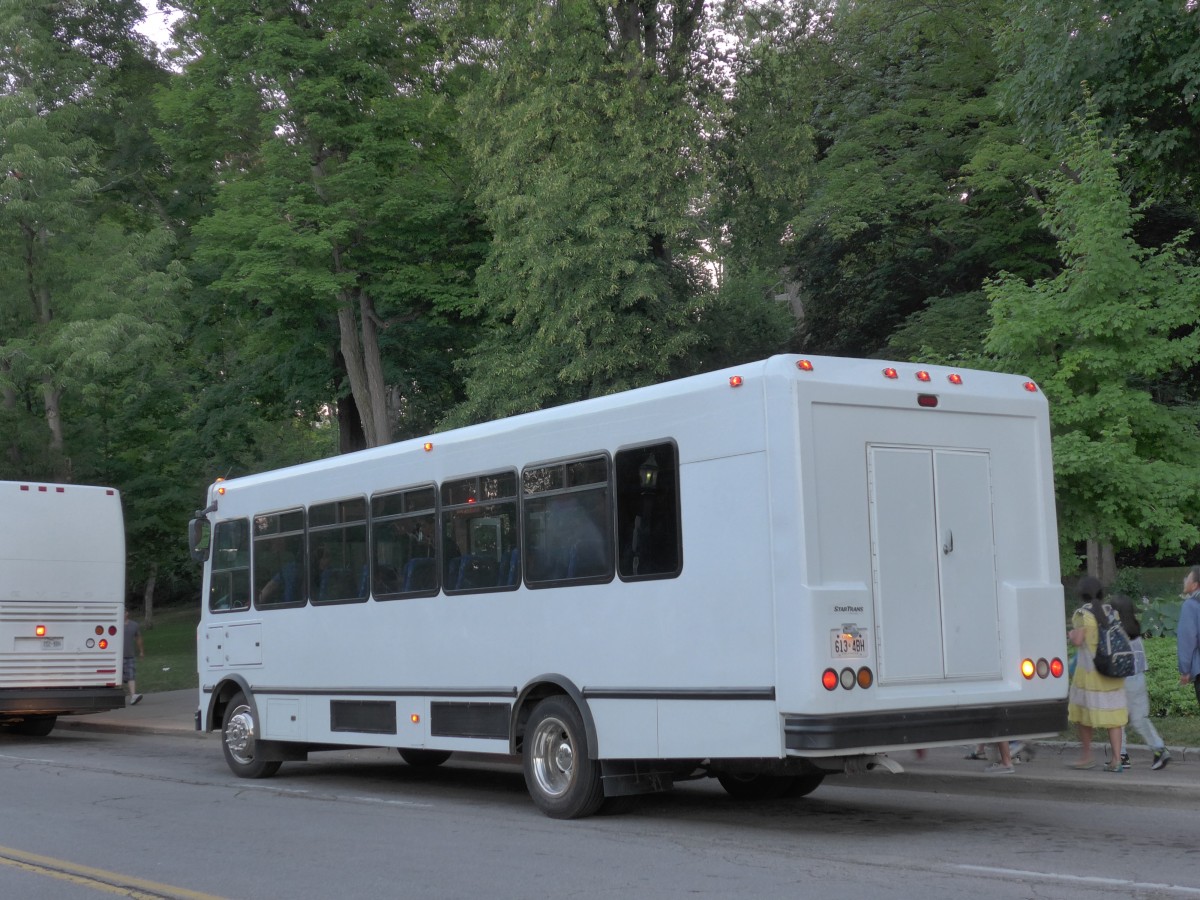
[[733, 729]]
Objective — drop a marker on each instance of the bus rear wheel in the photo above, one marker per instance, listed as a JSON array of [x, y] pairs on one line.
[[423, 759], [239, 741], [758, 787], [563, 782], [803, 785], [34, 726]]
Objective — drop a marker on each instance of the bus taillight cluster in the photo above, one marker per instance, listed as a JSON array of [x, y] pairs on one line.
[[847, 678], [1042, 668]]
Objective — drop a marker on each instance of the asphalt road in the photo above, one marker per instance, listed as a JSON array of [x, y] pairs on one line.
[[98, 810]]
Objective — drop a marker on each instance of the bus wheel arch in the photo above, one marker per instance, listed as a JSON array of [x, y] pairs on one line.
[[220, 697], [537, 690]]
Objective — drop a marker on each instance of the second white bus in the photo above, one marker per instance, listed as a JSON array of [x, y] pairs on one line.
[[62, 602], [767, 574]]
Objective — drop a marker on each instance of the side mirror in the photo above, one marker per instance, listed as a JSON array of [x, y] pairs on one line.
[[199, 539]]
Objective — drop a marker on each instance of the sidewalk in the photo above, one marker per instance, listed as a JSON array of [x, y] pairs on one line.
[[173, 713]]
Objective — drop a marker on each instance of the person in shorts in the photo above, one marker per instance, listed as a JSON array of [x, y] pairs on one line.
[[133, 638]]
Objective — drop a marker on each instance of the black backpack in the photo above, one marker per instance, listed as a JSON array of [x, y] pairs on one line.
[[1114, 655]]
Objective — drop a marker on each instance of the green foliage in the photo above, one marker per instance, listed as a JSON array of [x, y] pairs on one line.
[[1141, 61], [903, 208], [1096, 338], [587, 150], [1129, 583], [339, 246], [1167, 696]]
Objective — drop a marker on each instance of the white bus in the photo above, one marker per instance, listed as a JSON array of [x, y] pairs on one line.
[[765, 574], [62, 602]]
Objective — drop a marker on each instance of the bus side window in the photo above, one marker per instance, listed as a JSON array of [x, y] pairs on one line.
[[648, 517], [279, 559], [229, 582], [568, 522], [403, 547], [337, 551], [479, 532]]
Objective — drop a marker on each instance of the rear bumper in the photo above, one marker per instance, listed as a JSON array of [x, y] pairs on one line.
[[63, 701], [920, 727]]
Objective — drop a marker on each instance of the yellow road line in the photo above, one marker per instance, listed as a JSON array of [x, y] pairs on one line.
[[112, 882]]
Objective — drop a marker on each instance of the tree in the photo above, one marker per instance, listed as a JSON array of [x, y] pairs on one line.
[[587, 147], [901, 207], [339, 228], [1098, 338], [1141, 62], [78, 282]]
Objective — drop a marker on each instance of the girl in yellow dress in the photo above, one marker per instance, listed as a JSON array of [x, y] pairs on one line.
[[1095, 701]]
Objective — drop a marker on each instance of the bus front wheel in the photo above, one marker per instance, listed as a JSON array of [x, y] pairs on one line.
[[239, 740], [563, 782]]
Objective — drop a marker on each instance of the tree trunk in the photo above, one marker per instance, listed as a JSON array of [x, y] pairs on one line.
[[1101, 562], [356, 370], [349, 422], [376, 406], [148, 597]]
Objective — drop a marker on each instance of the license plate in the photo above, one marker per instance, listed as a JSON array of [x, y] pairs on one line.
[[52, 643], [849, 645]]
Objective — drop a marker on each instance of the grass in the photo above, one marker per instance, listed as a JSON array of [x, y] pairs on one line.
[[170, 663]]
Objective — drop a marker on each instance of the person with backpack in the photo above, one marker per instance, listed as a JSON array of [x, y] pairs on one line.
[[1136, 696], [1187, 635], [1095, 700]]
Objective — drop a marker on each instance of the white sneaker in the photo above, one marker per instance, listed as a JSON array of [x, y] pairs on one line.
[[999, 769], [135, 699]]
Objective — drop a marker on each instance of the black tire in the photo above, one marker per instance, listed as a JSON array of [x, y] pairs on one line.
[[757, 787], [239, 739], [34, 726], [563, 782], [803, 785], [424, 759]]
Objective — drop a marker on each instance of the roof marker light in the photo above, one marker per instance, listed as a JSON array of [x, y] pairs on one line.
[[889, 372], [735, 380], [40, 630], [924, 376], [428, 445], [954, 378], [804, 365], [1031, 387]]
